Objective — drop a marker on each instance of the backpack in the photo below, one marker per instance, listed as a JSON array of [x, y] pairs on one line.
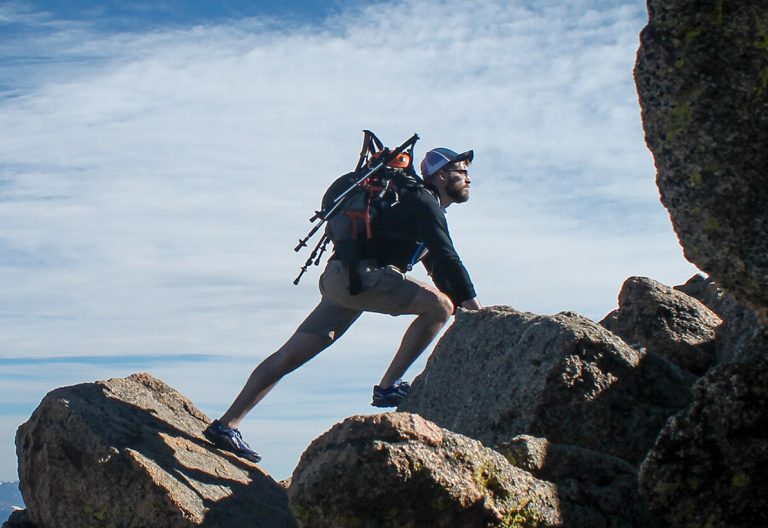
[[353, 201]]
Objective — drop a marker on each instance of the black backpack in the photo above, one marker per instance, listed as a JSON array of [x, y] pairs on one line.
[[353, 201]]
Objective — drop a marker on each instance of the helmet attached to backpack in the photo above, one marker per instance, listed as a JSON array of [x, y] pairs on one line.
[[401, 161]]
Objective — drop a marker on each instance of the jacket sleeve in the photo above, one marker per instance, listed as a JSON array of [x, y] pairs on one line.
[[443, 263]]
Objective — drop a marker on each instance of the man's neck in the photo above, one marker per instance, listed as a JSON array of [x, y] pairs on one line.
[[443, 199]]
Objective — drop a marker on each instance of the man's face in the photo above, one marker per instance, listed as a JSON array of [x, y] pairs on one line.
[[457, 181]]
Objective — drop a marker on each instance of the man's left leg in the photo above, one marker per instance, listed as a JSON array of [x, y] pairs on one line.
[[389, 291], [434, 309]]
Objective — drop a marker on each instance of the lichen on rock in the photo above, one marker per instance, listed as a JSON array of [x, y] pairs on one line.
[[701, 77]]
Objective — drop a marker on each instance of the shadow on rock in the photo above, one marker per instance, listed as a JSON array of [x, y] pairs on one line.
[[129, 452]]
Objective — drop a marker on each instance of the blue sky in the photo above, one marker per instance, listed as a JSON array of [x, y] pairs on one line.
[[159, 161], [137, 15]]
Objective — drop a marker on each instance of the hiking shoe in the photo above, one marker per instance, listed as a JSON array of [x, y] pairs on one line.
[[391, 396], [230, 440]]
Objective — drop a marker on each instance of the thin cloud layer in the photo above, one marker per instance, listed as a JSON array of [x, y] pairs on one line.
[[153, 185]]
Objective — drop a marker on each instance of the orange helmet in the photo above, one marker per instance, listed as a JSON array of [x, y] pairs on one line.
[[401, 161]]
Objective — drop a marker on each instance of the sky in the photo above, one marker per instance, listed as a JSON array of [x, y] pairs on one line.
[[160, 160]]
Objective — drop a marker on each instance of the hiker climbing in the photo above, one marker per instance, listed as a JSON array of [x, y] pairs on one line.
[[382, 219]]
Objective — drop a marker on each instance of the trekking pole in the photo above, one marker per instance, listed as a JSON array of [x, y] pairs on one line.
[[303, 241], [324, 215], [321, 247], [384, 160], [322, 250]]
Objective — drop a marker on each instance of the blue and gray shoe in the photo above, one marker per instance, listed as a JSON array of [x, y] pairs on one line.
[[230, 440], [390, 396]]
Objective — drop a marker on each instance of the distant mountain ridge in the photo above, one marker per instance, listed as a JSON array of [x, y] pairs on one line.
[[10, 499]]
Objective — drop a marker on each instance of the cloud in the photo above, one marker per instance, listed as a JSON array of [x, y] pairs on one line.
[[153, 184]]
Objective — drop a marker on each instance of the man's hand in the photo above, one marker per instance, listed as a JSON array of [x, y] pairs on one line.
[[471, 304]]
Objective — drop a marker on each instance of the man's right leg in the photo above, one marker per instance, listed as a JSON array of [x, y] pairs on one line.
[[327, 322], [299, 349]]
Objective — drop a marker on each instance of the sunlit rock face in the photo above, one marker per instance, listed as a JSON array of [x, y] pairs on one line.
[[397, 470], [130, 452], [702, 77], [498, 373], [667, 322]]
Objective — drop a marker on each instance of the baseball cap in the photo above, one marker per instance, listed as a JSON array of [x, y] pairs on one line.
[[438, 158]]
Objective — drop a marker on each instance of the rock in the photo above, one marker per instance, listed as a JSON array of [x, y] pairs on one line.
[[708, 293], [129, 452], [594, 489], [741, 337], [398, 470], [498, 373], [702, 77], [666, 322], [709, 466], [18, 519]]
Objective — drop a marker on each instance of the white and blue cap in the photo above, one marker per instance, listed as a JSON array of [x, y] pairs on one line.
[[438, 158]]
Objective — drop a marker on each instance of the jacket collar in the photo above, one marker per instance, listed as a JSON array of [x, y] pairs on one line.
[[436, 194]]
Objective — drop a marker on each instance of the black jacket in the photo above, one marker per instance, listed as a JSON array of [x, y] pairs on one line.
[[418, 217]]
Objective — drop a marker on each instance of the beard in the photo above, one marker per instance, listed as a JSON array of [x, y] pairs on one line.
[[457, 192]]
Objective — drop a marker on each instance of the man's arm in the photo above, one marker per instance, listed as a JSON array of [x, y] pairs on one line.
[[443, 262], [472, 304], [469, 304]]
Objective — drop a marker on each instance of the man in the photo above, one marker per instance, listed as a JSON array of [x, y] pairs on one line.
[[418, 218]]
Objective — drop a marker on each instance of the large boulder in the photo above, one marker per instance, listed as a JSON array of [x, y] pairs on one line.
[[702, 77], [397, 470], [498, 373], [741, 337], [129, 452], [666, 322], [595, 489], [709, 466]]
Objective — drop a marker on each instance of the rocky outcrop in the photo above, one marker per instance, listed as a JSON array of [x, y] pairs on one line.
[[741, 337], [129, 452], [702, 77], [398, 470], [709, 466], [594, 489], [666, 322], [498, 373], [18, 519]]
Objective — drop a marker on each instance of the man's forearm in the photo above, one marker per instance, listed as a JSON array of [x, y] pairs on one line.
[[471, 304]]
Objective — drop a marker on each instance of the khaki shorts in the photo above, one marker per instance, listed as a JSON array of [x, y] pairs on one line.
[[386, 290]]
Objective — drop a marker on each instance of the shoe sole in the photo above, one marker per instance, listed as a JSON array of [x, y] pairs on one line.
[[382, 405]]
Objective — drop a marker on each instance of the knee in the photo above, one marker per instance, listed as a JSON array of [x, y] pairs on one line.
[[442, 308]]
